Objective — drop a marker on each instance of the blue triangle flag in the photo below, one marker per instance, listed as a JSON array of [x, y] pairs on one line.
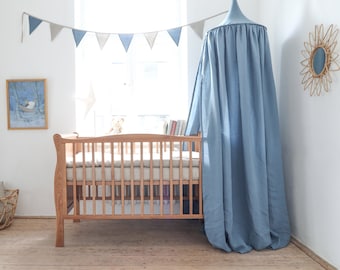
[[175, 34], [78, 35], [34, 23], [126, 40]]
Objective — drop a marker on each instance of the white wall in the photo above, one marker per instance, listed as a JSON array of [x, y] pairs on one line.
[[28, 156], [310, 125]]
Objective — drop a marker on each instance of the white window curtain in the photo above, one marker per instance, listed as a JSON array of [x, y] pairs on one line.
[[144, 86]]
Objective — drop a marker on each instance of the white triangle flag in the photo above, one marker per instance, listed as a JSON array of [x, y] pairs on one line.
[[55, 30], [151, 37], [198, 28], [102, 39]]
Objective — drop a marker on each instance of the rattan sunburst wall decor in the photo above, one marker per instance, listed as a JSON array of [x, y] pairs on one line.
[[320, 59]]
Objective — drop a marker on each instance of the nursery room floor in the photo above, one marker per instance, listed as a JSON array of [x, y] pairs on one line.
[[132, 244]]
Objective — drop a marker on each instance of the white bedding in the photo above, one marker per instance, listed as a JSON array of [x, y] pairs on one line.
[[84, 168]]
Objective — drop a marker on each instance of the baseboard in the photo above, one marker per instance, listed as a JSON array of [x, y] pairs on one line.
[[312, 255]]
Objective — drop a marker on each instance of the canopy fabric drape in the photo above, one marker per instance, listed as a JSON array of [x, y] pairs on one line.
[[234, 107]]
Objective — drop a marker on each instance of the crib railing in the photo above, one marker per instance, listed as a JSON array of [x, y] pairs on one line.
[[128, 176]]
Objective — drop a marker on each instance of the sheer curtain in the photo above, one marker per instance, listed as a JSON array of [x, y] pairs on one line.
[[143, 85]]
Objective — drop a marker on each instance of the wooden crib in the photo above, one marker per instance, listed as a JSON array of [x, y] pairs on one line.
[[127, 176]]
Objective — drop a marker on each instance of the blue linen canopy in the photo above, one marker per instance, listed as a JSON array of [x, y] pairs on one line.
[[234, 107]]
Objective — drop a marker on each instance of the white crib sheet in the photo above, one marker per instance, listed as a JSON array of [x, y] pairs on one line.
[[84, 168]]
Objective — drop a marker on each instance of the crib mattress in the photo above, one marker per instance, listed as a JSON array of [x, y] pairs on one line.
[[107, 167]]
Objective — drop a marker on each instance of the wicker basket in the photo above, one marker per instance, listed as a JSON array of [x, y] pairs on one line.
[[8, 205]]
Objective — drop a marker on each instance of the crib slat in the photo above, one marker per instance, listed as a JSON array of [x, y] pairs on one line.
[[190, 181], [151, 185], [84, 179], [74, 183], [113, 186], [160, 187], [103, 174], [132, 179], [122, 186], [93, 186], [142, 178], [180, 176]]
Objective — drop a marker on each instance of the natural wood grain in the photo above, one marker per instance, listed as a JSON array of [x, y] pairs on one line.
[[97, 179], [132, 244]]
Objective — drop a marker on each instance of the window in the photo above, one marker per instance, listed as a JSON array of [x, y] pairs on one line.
[[139, 88]]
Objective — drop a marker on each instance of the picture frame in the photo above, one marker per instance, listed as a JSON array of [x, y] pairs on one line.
[[27, 104]]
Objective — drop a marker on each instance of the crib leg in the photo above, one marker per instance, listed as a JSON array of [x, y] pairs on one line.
[[59, 242]]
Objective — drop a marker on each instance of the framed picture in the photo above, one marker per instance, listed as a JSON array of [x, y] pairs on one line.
[[27, 104]]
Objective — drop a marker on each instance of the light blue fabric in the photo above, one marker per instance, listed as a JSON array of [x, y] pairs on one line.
[[234, 107], [175, 34], [235, 15], [34, 23], [78, 35]]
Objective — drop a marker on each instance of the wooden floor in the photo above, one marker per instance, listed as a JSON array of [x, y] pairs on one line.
[[147, 244]]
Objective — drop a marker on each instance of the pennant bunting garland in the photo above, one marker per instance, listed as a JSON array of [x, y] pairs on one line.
[[150, 38], [55, 30], [198, 28], [78, 35], [102, 39], [126, 39], [34, 23], [175, 34]]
